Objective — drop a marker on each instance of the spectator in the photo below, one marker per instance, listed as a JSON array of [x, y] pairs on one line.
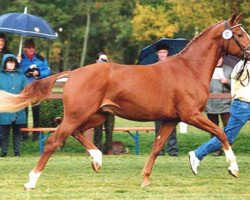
[[172, 145], [11, 80], [108, 124], [240, 114], [3, 50], [216, 108], [35, 67]]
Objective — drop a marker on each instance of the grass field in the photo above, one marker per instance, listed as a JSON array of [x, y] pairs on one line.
[[68, 174]]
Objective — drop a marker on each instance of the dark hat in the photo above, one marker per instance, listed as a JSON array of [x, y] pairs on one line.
[[29, 43], [2, 35], [161, 46]]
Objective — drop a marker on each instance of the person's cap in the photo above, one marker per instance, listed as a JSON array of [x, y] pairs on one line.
[[161, 47], [2, 35], [29, 43]]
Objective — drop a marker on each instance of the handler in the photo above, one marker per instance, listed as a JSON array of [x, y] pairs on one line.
[[240, 114]]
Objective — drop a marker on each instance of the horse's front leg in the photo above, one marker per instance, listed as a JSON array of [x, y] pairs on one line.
[[54, 141], [200, 121], [159, 143]]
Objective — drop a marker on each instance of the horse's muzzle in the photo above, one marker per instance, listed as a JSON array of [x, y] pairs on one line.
[[247, 52]]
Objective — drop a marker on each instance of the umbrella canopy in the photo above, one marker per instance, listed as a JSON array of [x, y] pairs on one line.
[[148, 56], [26, 24]]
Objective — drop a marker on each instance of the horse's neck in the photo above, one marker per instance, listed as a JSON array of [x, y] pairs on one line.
[[203, 54]]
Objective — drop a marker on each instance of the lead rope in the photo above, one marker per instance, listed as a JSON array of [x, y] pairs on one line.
[[240, 72]]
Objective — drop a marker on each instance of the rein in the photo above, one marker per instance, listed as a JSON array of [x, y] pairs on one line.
[[240, 72]]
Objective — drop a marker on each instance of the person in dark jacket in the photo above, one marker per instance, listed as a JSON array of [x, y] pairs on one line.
[[3, 50], [11, 80], [108, 124], [172, 144]]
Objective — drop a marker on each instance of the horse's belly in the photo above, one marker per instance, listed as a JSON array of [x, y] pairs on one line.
[[136, 113]]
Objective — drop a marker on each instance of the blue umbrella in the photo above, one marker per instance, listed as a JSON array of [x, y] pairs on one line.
[[148, 56], [26, 24]]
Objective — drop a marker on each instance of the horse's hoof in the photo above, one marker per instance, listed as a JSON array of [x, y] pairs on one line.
[[29, 189], [233, 169], [234, 173], [145, 184], [95, 166], [29, 186]]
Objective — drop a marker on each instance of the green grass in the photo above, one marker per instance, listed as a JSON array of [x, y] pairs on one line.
[[68, 174]]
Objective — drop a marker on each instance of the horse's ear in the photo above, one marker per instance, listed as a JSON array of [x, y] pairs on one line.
[[238, 17], [235, 18]]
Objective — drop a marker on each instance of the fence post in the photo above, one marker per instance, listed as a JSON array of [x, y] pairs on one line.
[[183, 127]]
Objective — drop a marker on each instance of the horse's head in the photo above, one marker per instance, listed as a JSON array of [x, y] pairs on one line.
[[236, 39]]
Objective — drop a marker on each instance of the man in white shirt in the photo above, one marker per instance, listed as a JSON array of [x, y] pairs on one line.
[[240, 114]]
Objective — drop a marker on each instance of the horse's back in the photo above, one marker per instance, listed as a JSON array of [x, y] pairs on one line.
[[132, 89]]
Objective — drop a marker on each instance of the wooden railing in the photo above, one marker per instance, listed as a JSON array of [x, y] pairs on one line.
[[132, 131]]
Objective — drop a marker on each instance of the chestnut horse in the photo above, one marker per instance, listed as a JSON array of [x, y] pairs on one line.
[[175, 90]]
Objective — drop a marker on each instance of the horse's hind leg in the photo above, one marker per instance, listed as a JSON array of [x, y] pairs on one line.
[[54, 141], [159, 143], [94, 152], [200, 121]]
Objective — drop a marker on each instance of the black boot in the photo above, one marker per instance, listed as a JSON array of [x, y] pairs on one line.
[[3, 154], [17, 154], [162, 152]]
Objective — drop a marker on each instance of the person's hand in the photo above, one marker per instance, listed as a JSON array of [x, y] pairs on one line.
[[35, 73], [19, 58], [224, 80]]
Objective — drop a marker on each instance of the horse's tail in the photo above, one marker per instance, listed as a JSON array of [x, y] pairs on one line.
[[33, 93]]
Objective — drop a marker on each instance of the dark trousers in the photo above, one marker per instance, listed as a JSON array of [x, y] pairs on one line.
[[0, 135], [16, 137], [215, 118], [172, 144], [109, 126], [36, 118]]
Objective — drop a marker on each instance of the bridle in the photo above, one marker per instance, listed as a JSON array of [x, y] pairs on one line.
[[244, 50]]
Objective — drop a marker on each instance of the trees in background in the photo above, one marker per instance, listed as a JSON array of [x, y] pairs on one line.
[[120, 28]]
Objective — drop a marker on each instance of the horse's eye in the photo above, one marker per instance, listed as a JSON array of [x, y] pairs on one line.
[[240, 35]]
